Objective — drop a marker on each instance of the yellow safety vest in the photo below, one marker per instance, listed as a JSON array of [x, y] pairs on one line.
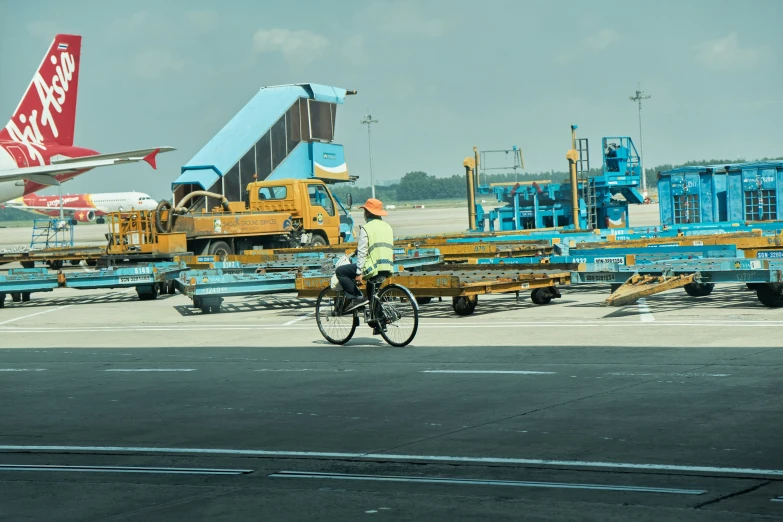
[[380, 256]]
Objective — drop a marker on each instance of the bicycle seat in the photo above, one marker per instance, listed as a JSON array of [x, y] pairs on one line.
[[380, 278]]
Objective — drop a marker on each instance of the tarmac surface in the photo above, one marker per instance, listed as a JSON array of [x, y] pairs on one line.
[[117, 409], [406, 222]]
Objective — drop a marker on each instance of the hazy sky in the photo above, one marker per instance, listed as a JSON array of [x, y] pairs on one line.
[[441, 76]]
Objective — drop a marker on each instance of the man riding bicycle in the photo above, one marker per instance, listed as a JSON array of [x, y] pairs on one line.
[[374, 254]]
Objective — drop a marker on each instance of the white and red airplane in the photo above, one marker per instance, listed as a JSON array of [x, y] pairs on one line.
[[84, 208], [36, 146]]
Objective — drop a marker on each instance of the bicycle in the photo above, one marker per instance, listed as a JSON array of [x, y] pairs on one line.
[[391, 311]]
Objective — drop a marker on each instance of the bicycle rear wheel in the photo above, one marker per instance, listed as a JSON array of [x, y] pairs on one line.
[[399, 315], [335, 327]]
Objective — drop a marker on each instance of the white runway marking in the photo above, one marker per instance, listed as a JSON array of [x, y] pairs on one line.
[[301, 370], [478, 482], [152, 370], [392, 457], [425, 325], [513, 372], [33, 315], [302, 318], [683, 374], [125, 469], [22, 369], [644, 311]]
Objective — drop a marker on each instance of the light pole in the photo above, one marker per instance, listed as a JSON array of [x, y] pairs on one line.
[[369, 121], [640, 95]]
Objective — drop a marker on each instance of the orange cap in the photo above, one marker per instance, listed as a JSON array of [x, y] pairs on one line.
[[374, 207]]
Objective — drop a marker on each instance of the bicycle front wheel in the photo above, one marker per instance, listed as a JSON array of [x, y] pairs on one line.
[[334, 326], [399, 315]]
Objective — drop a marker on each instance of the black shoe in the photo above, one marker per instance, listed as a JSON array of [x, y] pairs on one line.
[[355, 303]]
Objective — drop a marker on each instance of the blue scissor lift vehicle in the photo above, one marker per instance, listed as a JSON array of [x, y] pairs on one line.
[[603, 197]]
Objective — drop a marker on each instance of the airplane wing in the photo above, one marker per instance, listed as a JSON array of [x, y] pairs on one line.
[[45, 174]]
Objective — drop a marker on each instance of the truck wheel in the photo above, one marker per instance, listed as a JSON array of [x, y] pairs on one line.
[[464, 305], [318, 241], [16, 297], [220, 249], [541, 296], [2, 300], [28, 264], [92, 262], [424, 300], [699, 289], [75, 262], [770, 294], [56, 264], [25, 297]]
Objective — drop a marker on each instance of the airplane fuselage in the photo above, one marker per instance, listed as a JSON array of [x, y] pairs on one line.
[[84, 207]]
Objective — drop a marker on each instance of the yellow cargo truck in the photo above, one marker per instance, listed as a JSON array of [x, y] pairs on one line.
[[274, 214]]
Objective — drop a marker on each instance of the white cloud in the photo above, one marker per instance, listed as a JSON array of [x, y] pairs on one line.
[[400, 18], [297, 47], [602, 39], [593, 43], [727, 54], [154, 63], [204, 19], [353, 50]]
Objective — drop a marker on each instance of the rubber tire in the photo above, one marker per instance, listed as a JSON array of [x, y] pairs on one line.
[[355, 323], [464, 305], [2, 300], [56, 264], [220, 249], [92, 262], [148, 296], [75, 262], [411, 299], [25, 297], [770, 295], [28, 264], [699, 289], [16, 297], [423, 300], [541, 296], [318, 241], [170, 287]]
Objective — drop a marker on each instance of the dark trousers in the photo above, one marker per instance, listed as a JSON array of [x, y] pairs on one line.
[[346, 274]]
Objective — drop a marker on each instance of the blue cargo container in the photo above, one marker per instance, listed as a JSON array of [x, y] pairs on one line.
[[743, 192]]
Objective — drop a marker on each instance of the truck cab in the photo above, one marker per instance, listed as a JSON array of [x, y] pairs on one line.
[[318, 217]]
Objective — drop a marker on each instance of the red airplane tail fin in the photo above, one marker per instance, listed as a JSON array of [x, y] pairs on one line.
[[47, 112]]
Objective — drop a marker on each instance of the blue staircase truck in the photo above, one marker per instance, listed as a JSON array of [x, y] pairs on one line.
[[603, 198], [283, 132]]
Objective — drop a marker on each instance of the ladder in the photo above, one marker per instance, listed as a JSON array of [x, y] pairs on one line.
[[51, 233], [588, 192]]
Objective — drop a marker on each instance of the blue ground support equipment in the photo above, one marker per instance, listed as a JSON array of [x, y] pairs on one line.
[[741, 192], [603, 197]]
